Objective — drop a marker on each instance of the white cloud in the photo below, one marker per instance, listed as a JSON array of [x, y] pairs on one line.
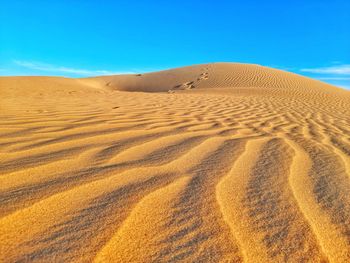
[[337, 70], [334, 78], [65, 70], [341, 85]]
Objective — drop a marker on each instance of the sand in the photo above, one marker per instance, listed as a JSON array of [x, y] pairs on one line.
[[219, 162]]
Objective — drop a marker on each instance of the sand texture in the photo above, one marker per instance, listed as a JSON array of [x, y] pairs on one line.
[[219, 162]]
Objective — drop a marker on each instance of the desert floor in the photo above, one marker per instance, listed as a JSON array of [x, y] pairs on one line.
[[210, 163]]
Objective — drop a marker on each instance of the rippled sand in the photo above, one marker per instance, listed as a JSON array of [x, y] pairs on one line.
[[209, 163]]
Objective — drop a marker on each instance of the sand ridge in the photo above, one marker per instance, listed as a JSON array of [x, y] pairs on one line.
[[218, 162]]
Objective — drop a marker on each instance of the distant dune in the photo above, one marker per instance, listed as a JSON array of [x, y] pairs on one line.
[[219, 162]]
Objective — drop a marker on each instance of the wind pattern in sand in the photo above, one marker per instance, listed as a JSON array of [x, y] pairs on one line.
[[210, 163]]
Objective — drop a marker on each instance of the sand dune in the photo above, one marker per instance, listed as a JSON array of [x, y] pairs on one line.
[[219, 162]]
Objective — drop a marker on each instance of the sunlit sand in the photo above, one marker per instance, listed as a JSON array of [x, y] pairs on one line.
[[208, 163]]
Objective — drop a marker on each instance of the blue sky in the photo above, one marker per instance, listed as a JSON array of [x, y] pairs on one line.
[[79, 38]]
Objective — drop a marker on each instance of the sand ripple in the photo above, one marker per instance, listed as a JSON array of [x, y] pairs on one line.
[[231, 163]]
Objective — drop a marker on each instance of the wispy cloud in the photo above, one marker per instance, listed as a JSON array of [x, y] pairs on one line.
[[336, 70], [334, 78], [34, 65]]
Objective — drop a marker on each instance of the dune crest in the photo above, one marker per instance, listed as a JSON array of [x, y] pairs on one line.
[[219, 162]]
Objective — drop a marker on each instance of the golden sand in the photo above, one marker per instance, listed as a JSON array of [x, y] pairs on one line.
[[210, 163]]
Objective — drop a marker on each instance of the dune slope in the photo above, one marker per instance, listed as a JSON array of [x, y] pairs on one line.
[[219, 162]]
